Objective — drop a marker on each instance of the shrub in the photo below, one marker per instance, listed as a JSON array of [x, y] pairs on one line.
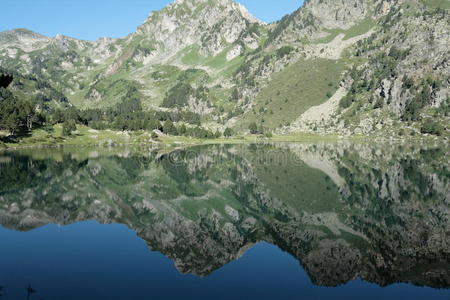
[[169, 128], [154, 135], [253, 128], [346, 102], [379, 103], [182, 130], [408, 82], [431, 127], [68, 127], [228, 132], [283, 51], [268, 134]]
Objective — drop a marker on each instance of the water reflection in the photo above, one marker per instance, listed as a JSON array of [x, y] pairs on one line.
[[344, 211]]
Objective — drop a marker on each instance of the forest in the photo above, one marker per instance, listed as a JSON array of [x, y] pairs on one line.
[[19, 116]]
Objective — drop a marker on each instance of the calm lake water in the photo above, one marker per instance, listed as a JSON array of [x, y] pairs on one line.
[[284, 221]]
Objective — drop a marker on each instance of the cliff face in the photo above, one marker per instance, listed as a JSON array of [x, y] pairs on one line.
[[344, 212]]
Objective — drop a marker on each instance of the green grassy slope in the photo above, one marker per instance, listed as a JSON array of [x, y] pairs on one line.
[[356, 30], [443, 4], [297, 185], [292, 91]]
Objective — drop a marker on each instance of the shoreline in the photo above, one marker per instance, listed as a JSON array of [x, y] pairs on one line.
[[142, 139]]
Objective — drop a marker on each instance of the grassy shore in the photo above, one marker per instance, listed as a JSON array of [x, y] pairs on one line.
[[87, 137]]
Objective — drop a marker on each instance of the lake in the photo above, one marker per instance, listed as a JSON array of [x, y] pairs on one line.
[[263, 221]]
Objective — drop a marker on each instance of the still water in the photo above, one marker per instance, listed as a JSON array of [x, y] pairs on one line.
[[282, 221]]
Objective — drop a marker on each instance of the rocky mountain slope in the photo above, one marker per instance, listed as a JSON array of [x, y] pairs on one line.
[[361, 66], [402, 77]]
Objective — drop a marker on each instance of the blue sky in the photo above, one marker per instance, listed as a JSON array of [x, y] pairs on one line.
[[91, 19]]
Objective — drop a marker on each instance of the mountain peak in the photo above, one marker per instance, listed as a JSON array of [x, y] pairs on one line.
[[22, 32], [316, 18], [24, 39], [211, 24], [200, 8]]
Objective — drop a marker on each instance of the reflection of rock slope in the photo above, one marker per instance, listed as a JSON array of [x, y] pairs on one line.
[[346, 211], [400, 202]]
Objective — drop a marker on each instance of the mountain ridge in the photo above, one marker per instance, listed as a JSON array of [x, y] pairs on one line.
[[224, 59]]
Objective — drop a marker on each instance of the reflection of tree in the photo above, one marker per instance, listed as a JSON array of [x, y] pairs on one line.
[[30, 291], [296, 211]]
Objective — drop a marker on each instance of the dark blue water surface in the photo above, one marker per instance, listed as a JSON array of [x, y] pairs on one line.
[[289, 221], [92, 261]]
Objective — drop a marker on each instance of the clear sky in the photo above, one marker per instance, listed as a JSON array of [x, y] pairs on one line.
[[91, 19]]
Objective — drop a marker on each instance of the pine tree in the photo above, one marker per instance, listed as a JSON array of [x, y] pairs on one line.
[[228, 132], [69, 126], [182, 130], [16, 116], [169, 128]]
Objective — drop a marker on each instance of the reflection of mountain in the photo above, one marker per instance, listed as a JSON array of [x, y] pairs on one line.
[[345, 211]]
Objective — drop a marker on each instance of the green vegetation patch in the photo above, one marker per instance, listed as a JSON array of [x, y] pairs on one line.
[[294, 90], [191, 56], [295, 183], [356, 30], [442, 4], [113, 90]]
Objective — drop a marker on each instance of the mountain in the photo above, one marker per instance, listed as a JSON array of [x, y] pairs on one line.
[[317, 18], [361, 66], [211, 26], [402, 74], [189, 41]]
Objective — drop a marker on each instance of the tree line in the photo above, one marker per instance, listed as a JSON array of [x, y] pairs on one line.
[[19, 117]]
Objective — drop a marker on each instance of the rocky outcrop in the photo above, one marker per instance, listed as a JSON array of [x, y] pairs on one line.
[[314, 20], [212, 25], [22, 39]]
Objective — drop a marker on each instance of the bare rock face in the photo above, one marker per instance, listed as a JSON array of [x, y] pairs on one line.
[[316, 16], [23, 39], [337, 13], [234, 52], [212, 25]]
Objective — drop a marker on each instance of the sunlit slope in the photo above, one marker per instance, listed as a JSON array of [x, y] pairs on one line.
[[292, 91]]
